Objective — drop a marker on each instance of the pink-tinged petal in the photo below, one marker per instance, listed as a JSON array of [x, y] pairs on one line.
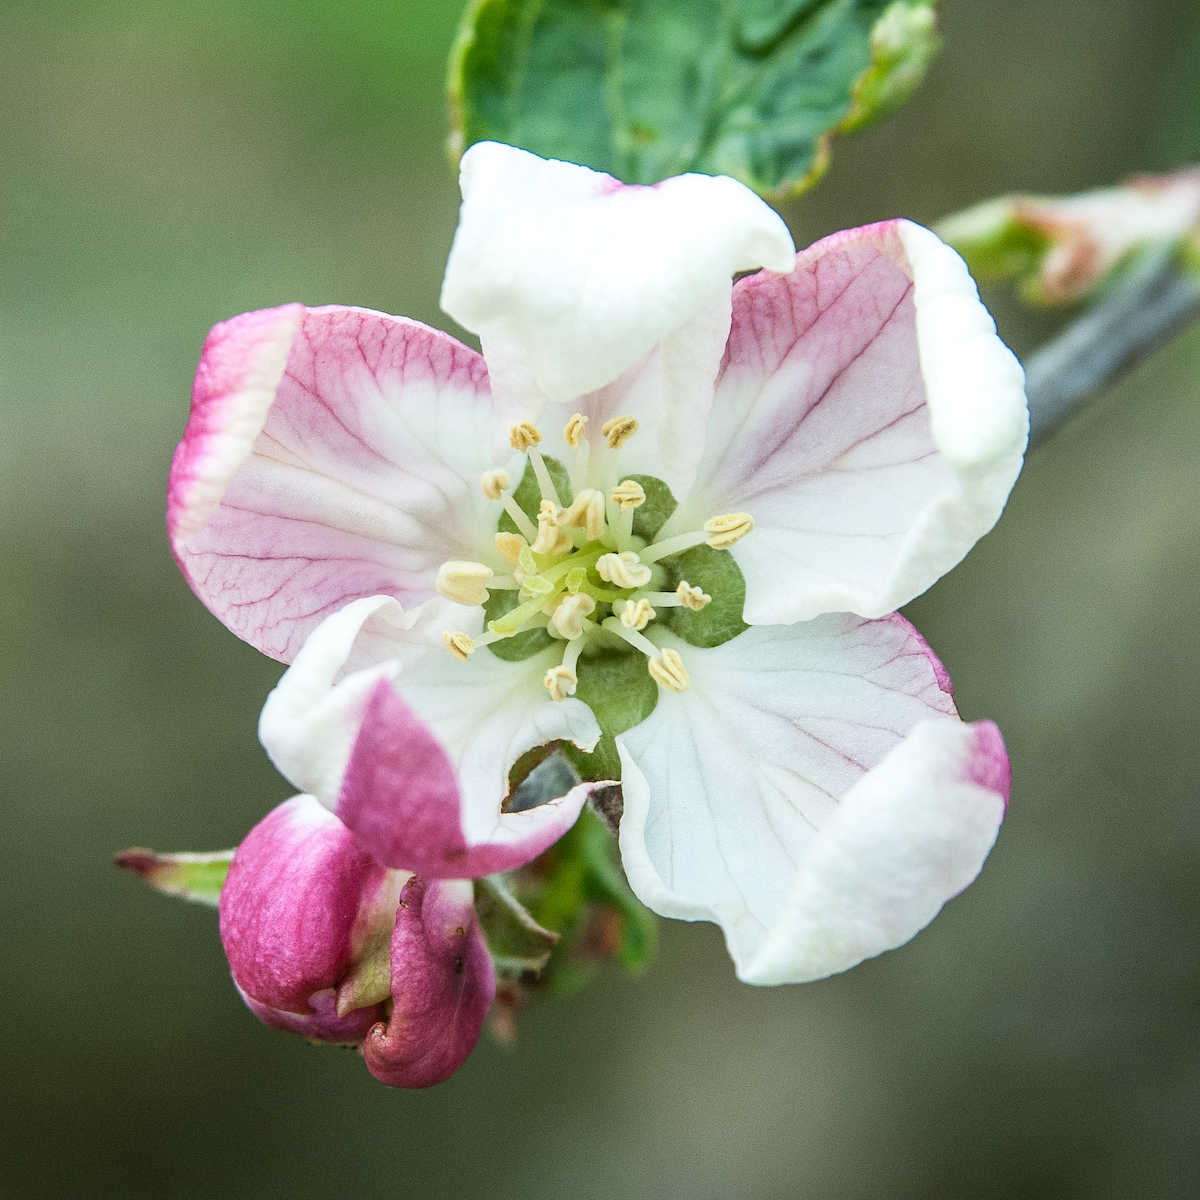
[[412, 748], [306, 921], [733, 786], [443, 982], [869, 420], [569, 277], [353, 472], [400, 795]]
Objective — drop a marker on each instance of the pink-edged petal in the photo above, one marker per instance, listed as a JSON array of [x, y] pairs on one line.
[[306, 921], [569, 277], [869, 420], [443, 982], [412, 748], [353, 472], [733, 786]]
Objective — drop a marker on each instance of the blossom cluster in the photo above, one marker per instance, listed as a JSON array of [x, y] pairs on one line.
[[664, 521]]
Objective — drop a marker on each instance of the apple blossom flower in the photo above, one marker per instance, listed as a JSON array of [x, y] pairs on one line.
[[663, 520]]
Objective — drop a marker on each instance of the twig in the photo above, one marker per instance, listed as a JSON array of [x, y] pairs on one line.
[[1154, 302]]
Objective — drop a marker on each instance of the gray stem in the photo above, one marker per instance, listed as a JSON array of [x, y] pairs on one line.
[[1145, 311]]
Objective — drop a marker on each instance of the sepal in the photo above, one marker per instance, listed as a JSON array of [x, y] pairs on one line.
[[197, 877]]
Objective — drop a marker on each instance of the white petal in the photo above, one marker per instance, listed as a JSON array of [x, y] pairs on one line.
[[735, 789], [570, 277]]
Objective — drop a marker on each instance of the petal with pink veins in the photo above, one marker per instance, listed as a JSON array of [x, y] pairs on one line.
[[352, 472], [757, 782], [412, 748], [869, 420], [306, 922], [443, 982], [570, 277]]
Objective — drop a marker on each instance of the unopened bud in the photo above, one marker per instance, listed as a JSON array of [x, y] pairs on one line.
[[464, 582]]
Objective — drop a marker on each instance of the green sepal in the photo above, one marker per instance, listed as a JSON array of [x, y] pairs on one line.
[[650, 517], [904, 43], [528, 493], [517, 943], [715, 572], [618, 689], [646, 89], [197, 877], [521, 645], [578, 890]]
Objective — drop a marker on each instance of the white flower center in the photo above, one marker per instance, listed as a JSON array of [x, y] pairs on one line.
[[581, 573]]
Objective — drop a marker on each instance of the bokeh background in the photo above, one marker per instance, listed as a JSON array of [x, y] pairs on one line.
[[165, 164]]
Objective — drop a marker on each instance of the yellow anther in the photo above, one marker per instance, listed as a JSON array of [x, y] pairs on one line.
[[576, 427], [551, 539], [637, 616], [586, 513], [668, 671], [510, 546], [619, 430], [570, 614], [495, 483], [626, 570], [460, 645], [691, 597], [524, 436], [464, 582], [629, 494], [724, 531], [560, 682]]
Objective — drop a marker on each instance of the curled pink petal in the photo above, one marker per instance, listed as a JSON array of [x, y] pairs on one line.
[[303, 909], [331, 454], [400, 794], [443, 982]]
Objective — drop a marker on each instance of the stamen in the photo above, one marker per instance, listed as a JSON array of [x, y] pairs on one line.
[[570, 614], [509, 546], [549, 492], [692, 597], [685, 541], [668, 671], [464, 582], [523, 523], [572, 652], [635, 639], [524, 437], [625, 570], [460, 645], [629, 494], [495, 483], [560, 682], [637, 614], [550, 538], [726, 530], [573, 434], [618, 431], [586, 513]]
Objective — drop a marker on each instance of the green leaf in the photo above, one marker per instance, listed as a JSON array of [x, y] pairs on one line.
[[517, 943], [528, 493], [715, 572], [646, 89], [197, 877], [660, 503], [618, 689]]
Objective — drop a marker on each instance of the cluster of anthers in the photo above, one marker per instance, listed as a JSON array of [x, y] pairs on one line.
[[582, 574]]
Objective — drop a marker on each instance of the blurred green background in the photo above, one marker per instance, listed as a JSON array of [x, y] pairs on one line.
[[165, 164]]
